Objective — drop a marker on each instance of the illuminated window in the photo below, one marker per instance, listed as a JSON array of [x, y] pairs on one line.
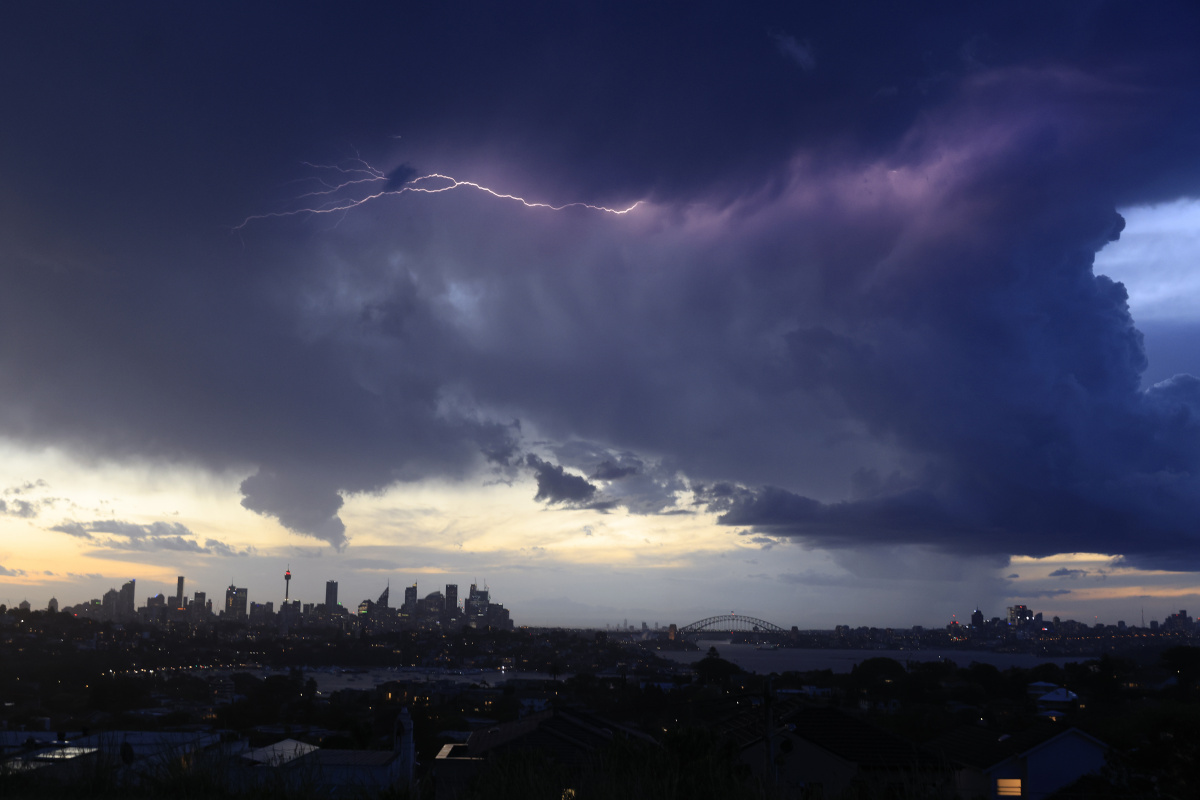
[[1008, 787]]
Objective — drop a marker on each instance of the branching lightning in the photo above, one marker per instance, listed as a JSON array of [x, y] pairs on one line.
[[342, 186]]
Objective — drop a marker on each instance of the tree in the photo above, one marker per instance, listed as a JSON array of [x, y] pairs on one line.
[[1184, 661], [714, 669]]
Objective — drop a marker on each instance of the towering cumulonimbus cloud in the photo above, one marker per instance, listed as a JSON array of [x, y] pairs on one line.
[[855, 306]]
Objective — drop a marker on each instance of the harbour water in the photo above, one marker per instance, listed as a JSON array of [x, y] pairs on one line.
[[747, 656], [332, 679]]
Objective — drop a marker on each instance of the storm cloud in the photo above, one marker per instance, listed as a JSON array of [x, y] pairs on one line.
[[855, 307], [556, 485]]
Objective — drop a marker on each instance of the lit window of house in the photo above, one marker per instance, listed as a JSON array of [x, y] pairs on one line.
[[1008, 787]]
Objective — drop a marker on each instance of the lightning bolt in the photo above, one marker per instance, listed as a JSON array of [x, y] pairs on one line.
[[342, 186]]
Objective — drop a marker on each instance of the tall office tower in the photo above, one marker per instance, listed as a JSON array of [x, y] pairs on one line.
[[451, 598], [125, 605], [237, 602], [435, 603], [977, 618], [180, 597], [330, 596], [199, 604], [477, 602], [53, 606], [1019, 615], [410, 599], [385, 597], [109, 604], [469, 603]]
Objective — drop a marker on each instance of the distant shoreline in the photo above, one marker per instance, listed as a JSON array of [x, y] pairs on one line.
[[795, 659]]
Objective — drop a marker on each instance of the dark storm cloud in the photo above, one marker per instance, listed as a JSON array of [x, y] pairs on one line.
[[642, 486], [864, 261], [607, 470], [815, 578], [400, 176], [1068, 573], [556, 485], [298, 502]]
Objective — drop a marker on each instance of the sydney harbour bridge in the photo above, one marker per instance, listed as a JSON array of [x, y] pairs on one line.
[[731, 623]]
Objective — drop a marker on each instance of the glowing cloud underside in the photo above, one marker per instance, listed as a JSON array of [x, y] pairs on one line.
[[364, 177]]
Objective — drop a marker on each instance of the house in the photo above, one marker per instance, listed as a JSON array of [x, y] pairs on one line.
[[571, 738], [1058, 700], [817, 751], [134, 756], [290, 764], [278, 754], [1039, 688], [1032, 764]]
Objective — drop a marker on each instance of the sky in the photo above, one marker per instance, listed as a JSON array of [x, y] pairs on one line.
[[862, 315]]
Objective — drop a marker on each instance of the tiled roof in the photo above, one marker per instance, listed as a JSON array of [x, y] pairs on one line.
[[351, 758], [279, 753], [856, 740], [982, 748], [568, 737]]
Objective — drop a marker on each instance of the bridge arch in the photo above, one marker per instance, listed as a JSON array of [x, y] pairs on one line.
[[732, 622]]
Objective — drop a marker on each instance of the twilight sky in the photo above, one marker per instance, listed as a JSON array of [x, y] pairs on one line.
[[646, 311]]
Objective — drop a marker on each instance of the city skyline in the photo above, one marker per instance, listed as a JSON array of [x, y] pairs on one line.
[[1012, 614], [634, 312]]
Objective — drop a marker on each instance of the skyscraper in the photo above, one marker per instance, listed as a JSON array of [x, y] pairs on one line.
[[410, 599], [180, 597], [330, 596], [1019, 615], [477, 602], [435, 603], [126, 608], [384, 598], [109, 604], [236, 602], [451, 598]]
